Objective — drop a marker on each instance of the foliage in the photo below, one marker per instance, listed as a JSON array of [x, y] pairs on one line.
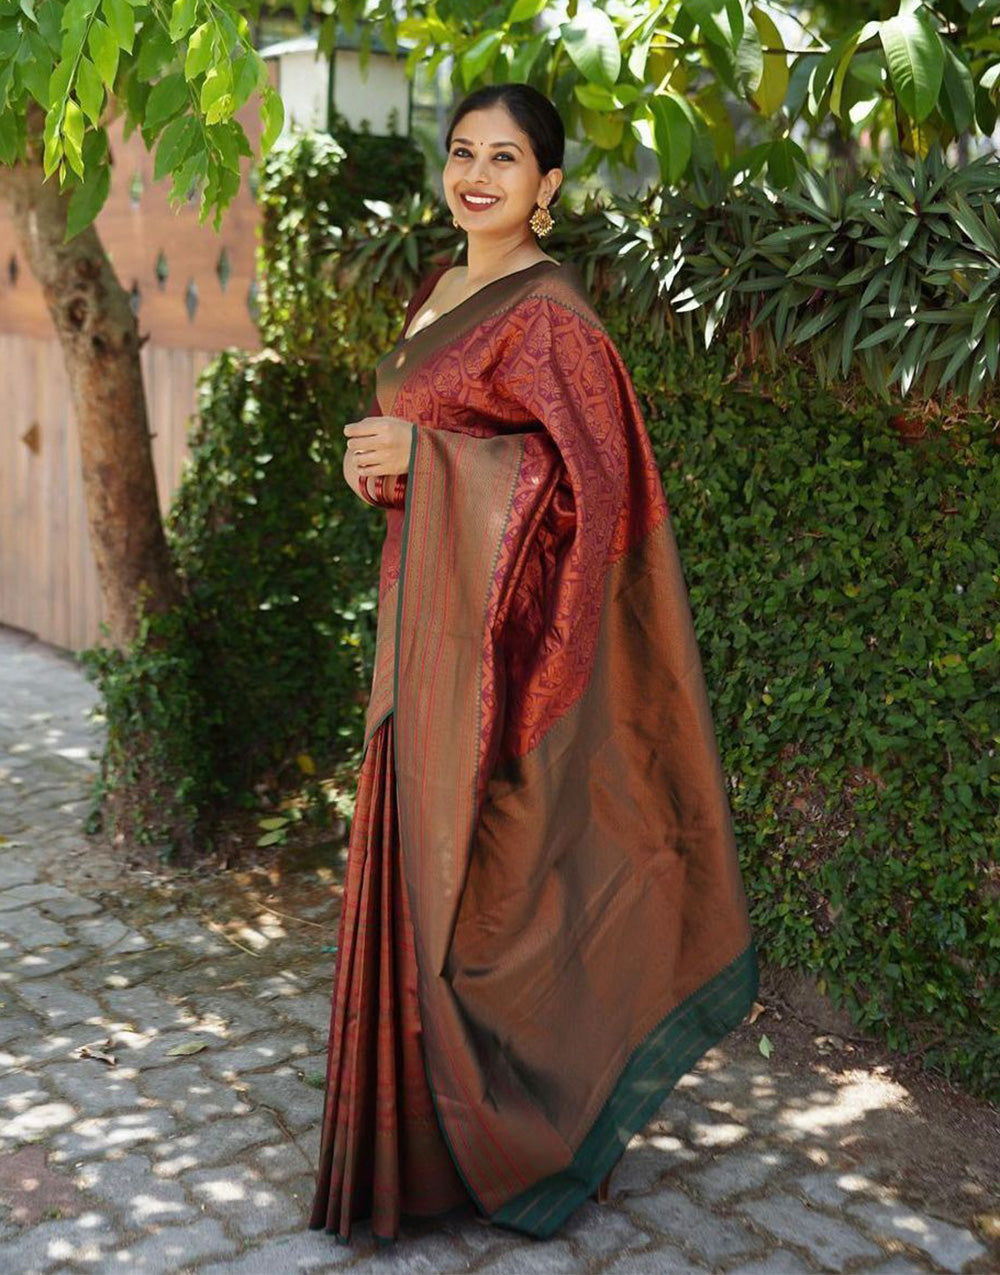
[[178, 72], [898, 276], [276, 565], [671, 77], [310, 194], [845, 589]]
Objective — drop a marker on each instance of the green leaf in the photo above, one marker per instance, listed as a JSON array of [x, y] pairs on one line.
[[720, 21], [478, 56], [89, 89], [174, 145], [74, 126], [749, 62], [765, 1046], [915, 57], [595, 97], [182, 16], [87, 200], [525, 10], [783, 159], [770, 92], [592, 44], [672, 135], [104, 50], [603, 129], [246, 74], [121, 20], [199, 52], [166, 98], [273, 115], [959, 91]]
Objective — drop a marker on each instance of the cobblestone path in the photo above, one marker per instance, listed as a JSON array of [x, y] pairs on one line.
[[202, 1161]]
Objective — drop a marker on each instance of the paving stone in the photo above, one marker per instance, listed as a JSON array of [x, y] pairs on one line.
[[830, 1187], [189, 1092], [146, 1010], [174, 1249], [109, 934], [186, 933], [69, 905], [43, 963], [97, 1136], [664, 1260], [950, 1246], [59, 1004], [130, 1185], [226, 1058], [600, 1230], [18, 1091], [308, 1251], [94, 1087], [647, 1159], [282, 1090], [899, 1266], [38, 1119], [15, 872], [736, 1172], [29, 892], [216, 1143], [830, 1243], [49, 1246], [288, 1159], [312, 1009], [237, 1017], [712, 1238], [779, 1262], [549, 1257], [30, 929], [244, 1200]]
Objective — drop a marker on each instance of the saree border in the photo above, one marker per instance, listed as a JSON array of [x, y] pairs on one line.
[[541, 289], [660, 1059]]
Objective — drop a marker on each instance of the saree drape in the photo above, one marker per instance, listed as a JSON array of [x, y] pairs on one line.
[[579, 927]]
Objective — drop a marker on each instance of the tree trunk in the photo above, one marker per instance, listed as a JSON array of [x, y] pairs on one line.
[[100, 342]]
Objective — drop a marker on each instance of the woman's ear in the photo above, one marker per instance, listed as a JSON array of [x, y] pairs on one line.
[[550, 184]]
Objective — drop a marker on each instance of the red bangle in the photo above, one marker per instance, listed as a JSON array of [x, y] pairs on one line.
[[399, 490], [363, 486]]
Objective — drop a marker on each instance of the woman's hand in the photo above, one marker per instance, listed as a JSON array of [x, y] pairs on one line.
[[379, 445]]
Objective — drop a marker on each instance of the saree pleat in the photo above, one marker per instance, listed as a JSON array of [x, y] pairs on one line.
[[382, 1154]]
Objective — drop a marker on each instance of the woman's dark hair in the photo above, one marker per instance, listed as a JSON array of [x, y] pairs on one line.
[[531, 111]]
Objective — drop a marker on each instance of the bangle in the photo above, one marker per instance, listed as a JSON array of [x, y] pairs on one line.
[[363, 486]]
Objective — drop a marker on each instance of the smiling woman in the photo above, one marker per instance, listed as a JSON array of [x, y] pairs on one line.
[[543, 922]]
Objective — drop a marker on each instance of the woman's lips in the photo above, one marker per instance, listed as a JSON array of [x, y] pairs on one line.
[[478, 206]]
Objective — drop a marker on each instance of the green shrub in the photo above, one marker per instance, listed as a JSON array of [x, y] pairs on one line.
[[845, 589]]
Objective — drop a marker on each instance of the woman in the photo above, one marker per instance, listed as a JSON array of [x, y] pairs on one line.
[[543, 924]]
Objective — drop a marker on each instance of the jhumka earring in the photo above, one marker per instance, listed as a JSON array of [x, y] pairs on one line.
[[540, 220], [454, 221]]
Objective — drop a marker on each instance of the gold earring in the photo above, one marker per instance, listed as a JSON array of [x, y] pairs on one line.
[[540, 220], [454, 221]]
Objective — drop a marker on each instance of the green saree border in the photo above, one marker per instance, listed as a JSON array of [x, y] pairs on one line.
[[665, 1054]]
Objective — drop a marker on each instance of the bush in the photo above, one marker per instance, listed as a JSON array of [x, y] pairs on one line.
[[844, 587]]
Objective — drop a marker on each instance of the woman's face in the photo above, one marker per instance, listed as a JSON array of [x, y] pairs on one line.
[[491, 178]]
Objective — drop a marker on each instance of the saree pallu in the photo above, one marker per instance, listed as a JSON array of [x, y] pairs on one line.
[[578, 922]]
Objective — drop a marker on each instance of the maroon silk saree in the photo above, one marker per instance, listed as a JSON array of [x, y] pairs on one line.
[[542, 811]]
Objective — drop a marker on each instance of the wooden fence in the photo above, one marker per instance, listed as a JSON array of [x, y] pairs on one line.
[[193, 291]]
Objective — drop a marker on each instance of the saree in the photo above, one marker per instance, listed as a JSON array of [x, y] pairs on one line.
[[544, 922]]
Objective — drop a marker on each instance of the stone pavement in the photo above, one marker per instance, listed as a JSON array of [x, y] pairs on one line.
[[161, 1072]]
